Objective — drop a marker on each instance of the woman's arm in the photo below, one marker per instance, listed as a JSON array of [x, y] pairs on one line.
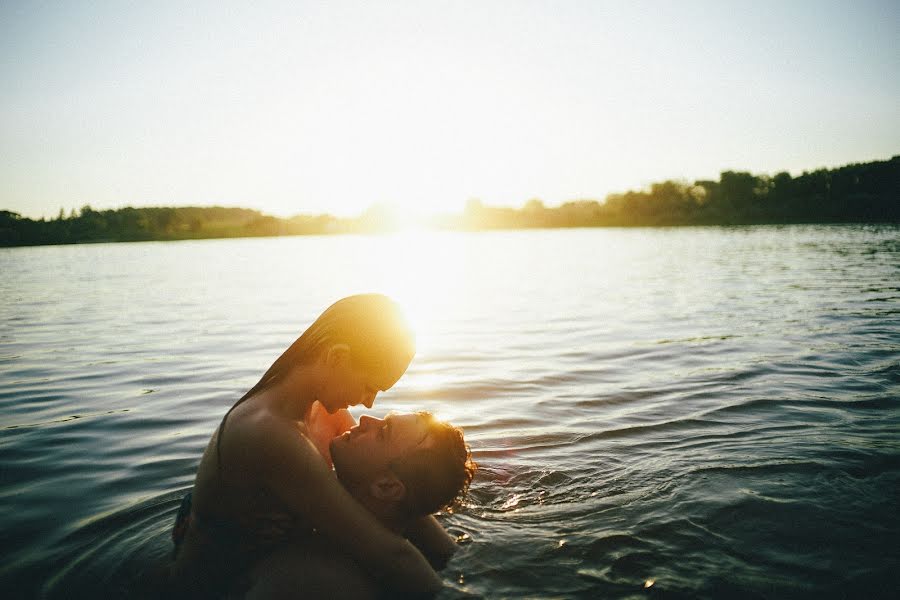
[[295, 473]]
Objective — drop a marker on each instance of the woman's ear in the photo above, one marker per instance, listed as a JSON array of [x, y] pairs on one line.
[[388, 488], [338, 355]]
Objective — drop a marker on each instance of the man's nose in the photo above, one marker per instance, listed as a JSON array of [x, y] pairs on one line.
[[368, 399]]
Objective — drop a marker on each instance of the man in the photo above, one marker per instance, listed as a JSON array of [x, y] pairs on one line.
[[402, 469]]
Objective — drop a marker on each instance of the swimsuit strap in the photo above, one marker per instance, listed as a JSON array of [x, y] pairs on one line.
[[182, 521]]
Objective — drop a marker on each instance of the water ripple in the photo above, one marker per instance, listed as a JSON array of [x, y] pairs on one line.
[[679, 413]]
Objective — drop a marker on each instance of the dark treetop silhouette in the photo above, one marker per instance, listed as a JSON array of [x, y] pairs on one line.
[[856, 193]]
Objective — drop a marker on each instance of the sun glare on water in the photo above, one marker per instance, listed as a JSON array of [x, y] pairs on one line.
[[419, 277], [425, 271]]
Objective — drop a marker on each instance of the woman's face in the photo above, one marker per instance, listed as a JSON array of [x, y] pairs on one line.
[[348, 382], [347, 386]]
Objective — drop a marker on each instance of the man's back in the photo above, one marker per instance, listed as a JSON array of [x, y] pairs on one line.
[[310, 570]]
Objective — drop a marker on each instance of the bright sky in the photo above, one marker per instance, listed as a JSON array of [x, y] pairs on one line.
[[307, 107]]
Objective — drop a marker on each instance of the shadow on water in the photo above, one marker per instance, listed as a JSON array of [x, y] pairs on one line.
[[123, 554]]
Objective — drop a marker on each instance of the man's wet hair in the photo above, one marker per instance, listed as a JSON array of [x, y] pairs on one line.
[[436, 475]]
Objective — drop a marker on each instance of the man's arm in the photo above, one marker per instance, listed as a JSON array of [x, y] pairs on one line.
[[432, 540]]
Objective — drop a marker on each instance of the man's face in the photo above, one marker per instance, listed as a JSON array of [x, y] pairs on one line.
[[368, 449]]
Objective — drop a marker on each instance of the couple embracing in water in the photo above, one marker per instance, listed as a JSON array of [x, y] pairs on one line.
[[293, 499]]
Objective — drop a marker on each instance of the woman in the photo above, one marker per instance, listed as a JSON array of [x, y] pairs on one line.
[[262, 483]]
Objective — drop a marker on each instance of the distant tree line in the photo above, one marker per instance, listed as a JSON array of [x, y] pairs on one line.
[[857, 193], [158, 223]]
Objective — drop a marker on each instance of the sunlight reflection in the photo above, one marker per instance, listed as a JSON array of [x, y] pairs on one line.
[[431, 381], [423, 275], [511, 502]]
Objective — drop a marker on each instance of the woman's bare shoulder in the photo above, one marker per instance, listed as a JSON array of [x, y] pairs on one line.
[[260, 440]]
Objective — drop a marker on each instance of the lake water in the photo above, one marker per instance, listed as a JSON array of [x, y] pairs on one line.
[[687, 412]]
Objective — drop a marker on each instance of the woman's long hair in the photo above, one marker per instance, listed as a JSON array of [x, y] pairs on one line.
[[372, 325]]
